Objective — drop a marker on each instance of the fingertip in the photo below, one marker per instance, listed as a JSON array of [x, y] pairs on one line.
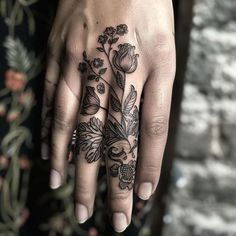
[[119, 221], [144, 190], [82, 213], [55, 179]]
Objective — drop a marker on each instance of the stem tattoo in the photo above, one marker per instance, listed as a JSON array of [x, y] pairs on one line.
[[119, 137]]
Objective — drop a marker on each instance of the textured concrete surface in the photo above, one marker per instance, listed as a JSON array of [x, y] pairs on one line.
[[202, 199]]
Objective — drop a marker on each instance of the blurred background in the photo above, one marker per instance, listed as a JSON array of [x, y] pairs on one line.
[[196, 195]]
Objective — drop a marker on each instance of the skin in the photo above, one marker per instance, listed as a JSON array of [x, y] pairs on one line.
[[77, 26]]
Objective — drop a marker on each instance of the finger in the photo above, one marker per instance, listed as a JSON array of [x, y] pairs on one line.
[[90, 136], [64, 120], [52, 74], [121, 142], [154, 123], [90, 133]]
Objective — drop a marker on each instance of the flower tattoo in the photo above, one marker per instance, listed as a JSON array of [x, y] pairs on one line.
[[126, 173], [97, 62], [101, 88], [102, 39], [118, 140], [110, 31], [125, 59], [122, 29], [91, 102]]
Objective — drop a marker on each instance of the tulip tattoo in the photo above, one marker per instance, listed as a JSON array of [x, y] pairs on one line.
[[120, 135], [125, 59]]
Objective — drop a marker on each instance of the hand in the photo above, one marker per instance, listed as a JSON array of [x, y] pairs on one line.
[[102, 56]]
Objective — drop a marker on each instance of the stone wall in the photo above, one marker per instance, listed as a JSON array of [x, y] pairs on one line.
[[202, 199]]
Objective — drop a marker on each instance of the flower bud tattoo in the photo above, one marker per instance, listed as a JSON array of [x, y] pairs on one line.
[[124, 59], [119, 137]]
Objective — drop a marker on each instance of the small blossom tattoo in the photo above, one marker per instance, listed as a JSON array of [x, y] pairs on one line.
[[97, 62], [122, 29], [110, 31], [102, 39], [101, 88]]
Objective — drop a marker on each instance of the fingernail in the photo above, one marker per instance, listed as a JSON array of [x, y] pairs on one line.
[[81, 213], [45, 157], [55, 179], [145, 191], [119, 222]]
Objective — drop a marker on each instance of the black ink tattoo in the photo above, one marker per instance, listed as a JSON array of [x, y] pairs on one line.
[[91, 136], [121, 134], [91, 102], [126, 173]]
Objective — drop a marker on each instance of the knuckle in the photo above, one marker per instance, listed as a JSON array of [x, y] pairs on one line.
[[52, 52], [164, 56], [72, 50], [51, 78], [164, 47], [120, 195], [152, 170], [157, 126], [54, 43], [61, 121], [83, 194], [149, 173], [164, 41]]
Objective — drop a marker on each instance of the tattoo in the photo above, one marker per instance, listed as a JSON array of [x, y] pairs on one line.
[[120, 135], [91, 135]]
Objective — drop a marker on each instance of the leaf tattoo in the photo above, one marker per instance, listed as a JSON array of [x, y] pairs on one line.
[[120, 80], [121, 133], [130, 100], [115, 104], [102, 71], [114, 133], [90, 137]]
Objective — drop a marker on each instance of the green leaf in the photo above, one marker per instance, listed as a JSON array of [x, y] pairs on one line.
[[3, 8], [63, 192], [19, 59], [19, 16]]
